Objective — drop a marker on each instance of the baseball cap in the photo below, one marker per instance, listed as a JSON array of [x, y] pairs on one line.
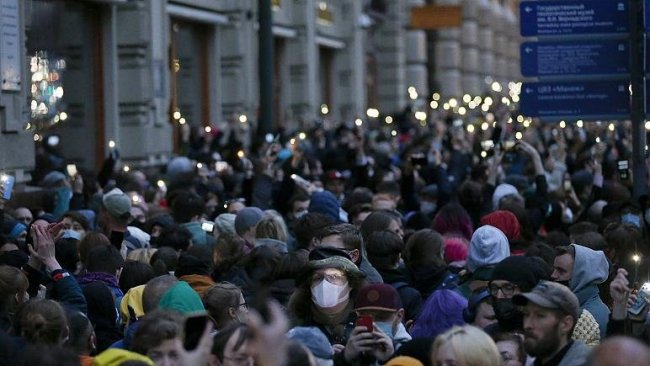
[[551, 295], [117, 203], [378, 296]]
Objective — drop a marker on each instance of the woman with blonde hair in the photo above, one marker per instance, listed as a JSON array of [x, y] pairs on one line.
[[465, 346]]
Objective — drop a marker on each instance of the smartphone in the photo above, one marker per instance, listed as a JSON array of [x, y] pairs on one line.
[[193, 330], [642, 299], [7, 182], [365, 321], [207, 226], [567, 185], [71, 169], [418, 159], [623, 169]]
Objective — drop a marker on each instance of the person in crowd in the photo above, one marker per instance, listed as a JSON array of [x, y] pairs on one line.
[[441, 311], [134, 273], [41, 322], [426, 268], [479, 311], [325, 295], [452, 220], [82, 338], [348, 238], [385, 255], [232, 347], [382, 303], [245, 223], [511, 348], [114, 218], [512, 276], [102, 314], [487, 247], [103, 264], [582, 270], [194, 268], [551, 311], [13, 292], [188, 209], [75, 221], [620, 351], [226, 305], [466, 345]]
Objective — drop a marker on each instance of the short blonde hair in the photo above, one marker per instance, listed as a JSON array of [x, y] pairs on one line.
[[272, 227], [471, 347]]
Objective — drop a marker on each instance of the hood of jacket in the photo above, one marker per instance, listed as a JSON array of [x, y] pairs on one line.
[[590, 267]]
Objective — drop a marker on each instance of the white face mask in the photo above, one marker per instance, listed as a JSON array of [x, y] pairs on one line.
[[328, 295]]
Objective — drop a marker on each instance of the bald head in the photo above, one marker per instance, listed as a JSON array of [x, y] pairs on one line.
[[620, 351]]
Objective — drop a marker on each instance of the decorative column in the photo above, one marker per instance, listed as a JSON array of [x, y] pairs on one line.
[[471, 80], [448, 58], [391, 59]]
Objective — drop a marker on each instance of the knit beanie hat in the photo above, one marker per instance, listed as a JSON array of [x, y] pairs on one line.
[[505, 221], [325, 203], [246, 218], [488, 246], [524, 272], [225, 223]]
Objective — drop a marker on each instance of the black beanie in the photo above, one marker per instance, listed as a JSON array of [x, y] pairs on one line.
[[524, 272]]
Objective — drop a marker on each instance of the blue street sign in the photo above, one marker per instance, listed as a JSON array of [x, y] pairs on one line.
[[580, 99], [546, 18], [575, 58]]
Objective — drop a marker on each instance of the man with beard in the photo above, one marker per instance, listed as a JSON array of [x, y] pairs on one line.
[[582, 269], [550, 314]]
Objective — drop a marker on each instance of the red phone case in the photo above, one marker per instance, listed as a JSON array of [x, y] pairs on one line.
[[365, 321]]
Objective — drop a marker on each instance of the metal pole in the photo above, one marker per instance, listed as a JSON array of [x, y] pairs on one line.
[[266, 74], [638, 97]]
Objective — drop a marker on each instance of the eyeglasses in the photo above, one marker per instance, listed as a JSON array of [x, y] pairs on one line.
[[335, 279], [507, 289]]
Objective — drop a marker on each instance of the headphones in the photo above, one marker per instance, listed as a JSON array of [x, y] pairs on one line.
[[469, 313]]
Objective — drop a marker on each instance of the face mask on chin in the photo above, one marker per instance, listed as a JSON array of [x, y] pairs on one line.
[[329, 295]]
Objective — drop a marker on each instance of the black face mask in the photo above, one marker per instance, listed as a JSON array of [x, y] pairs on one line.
[[508, 315]]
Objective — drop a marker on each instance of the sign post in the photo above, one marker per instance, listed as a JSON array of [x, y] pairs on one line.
[[588, 62]]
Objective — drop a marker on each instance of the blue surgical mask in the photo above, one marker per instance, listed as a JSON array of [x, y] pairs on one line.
[[427, 207], [630, 218], [386, 327]]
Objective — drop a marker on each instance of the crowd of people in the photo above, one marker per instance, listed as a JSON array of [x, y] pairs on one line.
[[378, 242]]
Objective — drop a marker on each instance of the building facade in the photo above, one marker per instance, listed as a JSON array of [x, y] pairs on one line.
[[141, 74]]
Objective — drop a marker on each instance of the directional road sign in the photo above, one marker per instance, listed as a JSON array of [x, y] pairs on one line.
[[600, 57], [551, 17], [580, 100]]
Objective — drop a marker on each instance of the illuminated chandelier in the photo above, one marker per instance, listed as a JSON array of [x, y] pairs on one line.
[[46, 91]]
